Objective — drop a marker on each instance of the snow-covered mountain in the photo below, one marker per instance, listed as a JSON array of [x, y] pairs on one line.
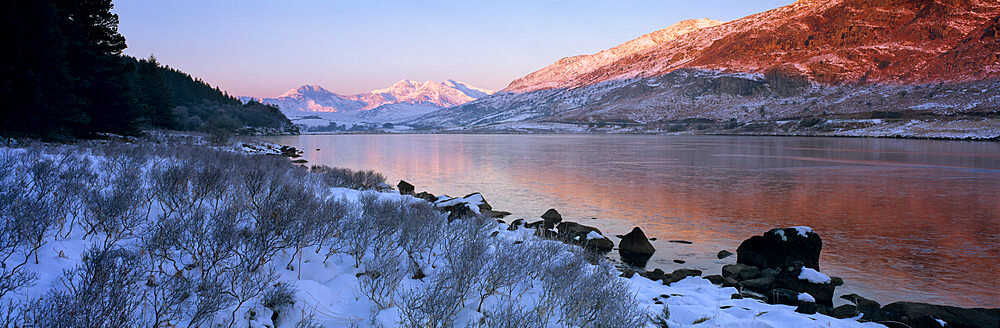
[[404, 99], [813, 58]]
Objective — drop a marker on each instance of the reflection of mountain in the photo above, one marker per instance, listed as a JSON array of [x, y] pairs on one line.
[[811, 58], [402, 100], [864, 196]]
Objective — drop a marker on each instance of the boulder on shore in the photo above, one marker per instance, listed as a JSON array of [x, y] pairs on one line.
[[551, 218], [923, 315], [405, 188], [635, 249], [586, 236], [780, 248]]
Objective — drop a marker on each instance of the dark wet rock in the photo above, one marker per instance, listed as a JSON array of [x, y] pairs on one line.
[[837, 281], [845, 311], [782, 296], [736, 297], [551, 218], [501, 221], [405, 188], [781, 248], [759, 285], [680, 261], [724, 254], [459, 211], [655, 275], [635, 248], [790, 279], [807, 308], [680, 274], [513, 225], [716, 279], [534, 225], [680, 242], [571, 230], [620, 236], [300, 161], [770, 272], [730, 282], [497, 214], [732, 270], [628, 273], [652, 239], [923, 315], [749, 272], [426, 196], [863, 305], [288, 151]]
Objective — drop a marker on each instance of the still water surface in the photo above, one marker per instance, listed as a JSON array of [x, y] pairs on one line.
[[911, 220]]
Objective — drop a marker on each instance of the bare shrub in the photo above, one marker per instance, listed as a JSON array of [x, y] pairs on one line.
[[101, 292], [347, 178]]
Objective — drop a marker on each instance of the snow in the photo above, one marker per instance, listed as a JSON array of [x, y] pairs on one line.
[[941, 322], [694, 298], [803, 231], [813, 276], [805, 297], [471, 201], [327, 289], [594, 235]]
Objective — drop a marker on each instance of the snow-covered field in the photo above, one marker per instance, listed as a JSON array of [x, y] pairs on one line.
[[165, 233]]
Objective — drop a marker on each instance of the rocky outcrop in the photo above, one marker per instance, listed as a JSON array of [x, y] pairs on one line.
[[781, 248], [405, 188], [586, 236], [635, 248], [551, 218]]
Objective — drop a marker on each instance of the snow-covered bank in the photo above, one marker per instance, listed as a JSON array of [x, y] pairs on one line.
[[165, 234]]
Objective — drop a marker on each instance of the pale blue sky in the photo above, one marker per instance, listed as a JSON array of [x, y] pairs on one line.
[[262, 48]]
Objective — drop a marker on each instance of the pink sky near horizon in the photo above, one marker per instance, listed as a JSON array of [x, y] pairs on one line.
[[263, 48]]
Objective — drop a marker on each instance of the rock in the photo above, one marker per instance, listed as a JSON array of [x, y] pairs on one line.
[[635, 249], [572, 229], [782, 296], [845, 311], [790, 279], [497, 214], [730, 282], [781, 248], [680, 274], [655, 275], [426, 196], [652, 239], [749, 272], [534, 225], [459, 211], [300, 161], [405, 188], [716, 279], [770, 272], [923, 315], [627, 273], [680, 261], [759, 285], [513, 225], [870, 308], [837, 281], [732, 270], [680, 242], [484, 207], [724, 254], [551, 218], [806, 308]]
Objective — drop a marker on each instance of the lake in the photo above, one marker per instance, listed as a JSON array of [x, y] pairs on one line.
[[915, 220]]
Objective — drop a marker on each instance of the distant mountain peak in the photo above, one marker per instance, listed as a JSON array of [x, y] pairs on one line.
[[417, 95]]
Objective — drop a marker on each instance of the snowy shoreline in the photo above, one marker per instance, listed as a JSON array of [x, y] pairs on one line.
[[182, 233]]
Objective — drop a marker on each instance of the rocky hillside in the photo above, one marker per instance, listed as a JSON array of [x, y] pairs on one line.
[[825, 59]]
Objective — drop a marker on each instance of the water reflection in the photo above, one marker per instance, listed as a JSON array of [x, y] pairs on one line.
[[900, 219]]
